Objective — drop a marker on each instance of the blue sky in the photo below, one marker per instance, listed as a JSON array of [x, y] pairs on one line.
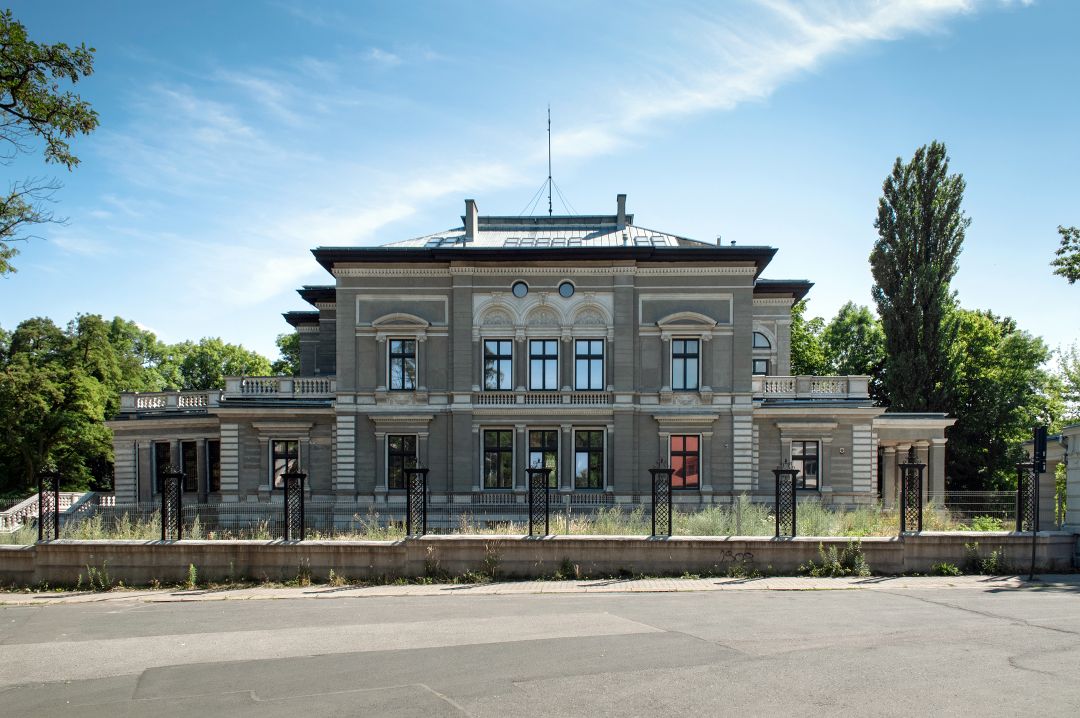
[[236, 136]]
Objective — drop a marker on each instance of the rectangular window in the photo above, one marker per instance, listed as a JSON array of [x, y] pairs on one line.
[[544, 364], [498, 364], [761, 366], [403, 364], [685, 354], [589, 364], [544, 453], [804, 457], [213, 464], [189, 461], [400, 455], [499, 459], [686, 462], [162, 462], [589, 459], [284, 459]]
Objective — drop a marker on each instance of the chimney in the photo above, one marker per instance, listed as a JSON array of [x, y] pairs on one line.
[[472, 220], [621, 220]]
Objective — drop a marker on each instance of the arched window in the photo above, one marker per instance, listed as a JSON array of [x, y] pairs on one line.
[[761, 341]]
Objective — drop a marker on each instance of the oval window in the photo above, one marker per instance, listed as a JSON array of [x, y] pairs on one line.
[[566, 289], [520, 289]]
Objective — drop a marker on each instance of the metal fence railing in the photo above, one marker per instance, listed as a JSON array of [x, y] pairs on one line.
[[967, 506]]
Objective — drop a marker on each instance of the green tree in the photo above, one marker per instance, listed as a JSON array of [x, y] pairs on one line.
[[920, 234], [1067, 263], [807, 352], [1067, 386], [206, 364], [33, 109], [288, 364], [854, 344], [998, 389]]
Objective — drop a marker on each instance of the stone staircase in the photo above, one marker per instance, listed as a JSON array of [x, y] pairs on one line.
[[25, 512]]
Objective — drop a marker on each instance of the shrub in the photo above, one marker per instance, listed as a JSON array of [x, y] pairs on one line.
[[945, 569], [992, 565], [836, 563]]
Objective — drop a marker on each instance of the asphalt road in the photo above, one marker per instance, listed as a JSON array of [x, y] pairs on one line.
[[943, 651]]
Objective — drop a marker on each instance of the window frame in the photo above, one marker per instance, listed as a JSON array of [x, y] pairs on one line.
[[499, 451], [274, 456], [589, 452], [191, 478], [799, 462], [544, 359], [754, 340], [497, 359], [754, 369], [684, 356], [158, 482], [545, 450], [590, 359], [404, 455], [684, 453], [213, 466], [402, 357]]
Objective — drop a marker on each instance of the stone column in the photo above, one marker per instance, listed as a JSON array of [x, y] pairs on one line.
[[521, 362], [922, 452], [1047, 489], [665, 362], [230, 462], [566, 459], [935, 468], [381, 488], [566, 362], [1072, 478], [421, 363], [345, 458], [382, 381], [521, 458], [705, 465], [889, 491]]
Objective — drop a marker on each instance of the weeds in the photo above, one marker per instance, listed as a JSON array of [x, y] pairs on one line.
[[945, 569], [837, 563], [192, 577]]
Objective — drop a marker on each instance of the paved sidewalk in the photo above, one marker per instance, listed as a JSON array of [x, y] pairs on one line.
[[611, 585]]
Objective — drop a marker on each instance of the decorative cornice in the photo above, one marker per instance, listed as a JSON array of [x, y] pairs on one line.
[[773, 301], [695, 270], [390, 272], [561, 269]]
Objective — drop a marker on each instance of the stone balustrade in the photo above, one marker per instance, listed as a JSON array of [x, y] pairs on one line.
[[168, 401], [541, 398], [280, 387], [811, 387]]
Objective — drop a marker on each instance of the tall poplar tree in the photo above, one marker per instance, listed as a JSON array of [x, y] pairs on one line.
[[920, 234]]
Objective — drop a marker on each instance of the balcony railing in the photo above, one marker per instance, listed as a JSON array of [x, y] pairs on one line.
[[167, 401], [811, 387], [280, 387], [541, 398]]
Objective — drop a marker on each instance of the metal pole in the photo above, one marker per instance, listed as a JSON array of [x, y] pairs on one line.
[[1034, 516]]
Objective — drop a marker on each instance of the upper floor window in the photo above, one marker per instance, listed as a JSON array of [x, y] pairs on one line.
[[400, 455], [498, 364], [589, 364], [544, 364], [685, 357], [761, 341], [284, 459], [685, 461], [761, 366], [804, 458], [402, 364]]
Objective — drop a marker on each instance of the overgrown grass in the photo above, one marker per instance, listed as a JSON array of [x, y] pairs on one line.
[[741, 518]]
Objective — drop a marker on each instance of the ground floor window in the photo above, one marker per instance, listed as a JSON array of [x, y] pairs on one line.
[[284, 459], [686, 461], [589, 459], [400, 455], [498, 459], [544, 453], [162, 462], [189, 464], [804, 458], [213, 464]]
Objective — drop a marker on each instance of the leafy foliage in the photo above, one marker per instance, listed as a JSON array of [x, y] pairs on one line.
[[59, 385], [1067, 262], [32, 107], [920, 234], [997, 389], [807, 352], [288, 364], [854, 344], [837, 563]]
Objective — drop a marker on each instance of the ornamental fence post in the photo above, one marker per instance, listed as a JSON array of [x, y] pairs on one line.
[[786, 501], [538, 499], [172, 491], [911, 498], [48, 504], [416, 501], [294, 505], [661, 499]]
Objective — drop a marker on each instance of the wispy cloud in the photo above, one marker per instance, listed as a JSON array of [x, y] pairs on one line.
[[382, 57]]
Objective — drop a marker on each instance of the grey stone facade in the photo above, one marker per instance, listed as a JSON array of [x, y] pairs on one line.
[[622, 346]]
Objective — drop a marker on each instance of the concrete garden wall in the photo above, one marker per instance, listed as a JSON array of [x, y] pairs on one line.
[[141, 562]]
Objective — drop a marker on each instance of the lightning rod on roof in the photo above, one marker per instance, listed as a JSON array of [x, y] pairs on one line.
[[549, 159]]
